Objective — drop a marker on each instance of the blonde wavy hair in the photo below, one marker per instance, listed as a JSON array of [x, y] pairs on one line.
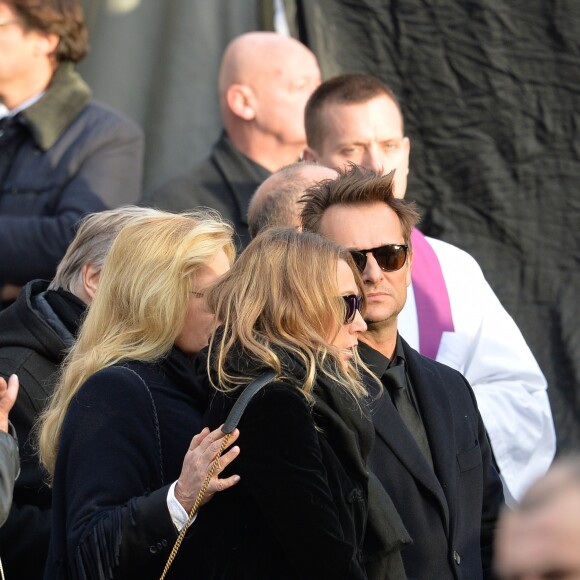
[[282, 295], [140, 305]]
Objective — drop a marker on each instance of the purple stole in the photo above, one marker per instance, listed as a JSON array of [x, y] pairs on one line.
[[431, 296]]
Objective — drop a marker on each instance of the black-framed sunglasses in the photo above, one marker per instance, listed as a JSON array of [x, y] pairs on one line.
[[353, 304], [390, 258]]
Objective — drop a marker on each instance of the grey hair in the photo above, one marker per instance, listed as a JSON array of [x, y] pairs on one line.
[[92, 242], [275, 202]]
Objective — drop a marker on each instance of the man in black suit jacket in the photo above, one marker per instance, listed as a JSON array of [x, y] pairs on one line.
[[431, 451]]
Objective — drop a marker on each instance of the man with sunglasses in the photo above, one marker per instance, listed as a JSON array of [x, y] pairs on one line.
[[431, 451], [451, 315]]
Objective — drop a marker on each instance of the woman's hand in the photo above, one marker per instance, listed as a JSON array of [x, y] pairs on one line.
[[8, 392], [196, 465]]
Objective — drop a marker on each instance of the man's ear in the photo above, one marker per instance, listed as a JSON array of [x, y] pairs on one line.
[[90, 275], [309, 154], [241, 101], [407, 151], [46, 44], [409, 266]]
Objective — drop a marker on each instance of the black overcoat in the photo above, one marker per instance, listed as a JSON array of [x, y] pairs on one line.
[[122, 445], [451, 511], [33, 343], [301, 508]]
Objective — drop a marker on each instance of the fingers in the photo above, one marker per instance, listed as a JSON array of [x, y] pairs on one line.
[[12, 392], [217, 485], [226, 459], [208, 443], [197, 463], [208, 456], [8, 393], [197, 439]]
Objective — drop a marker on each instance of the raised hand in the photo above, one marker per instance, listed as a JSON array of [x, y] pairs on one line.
[[198, 459], [8, 393]]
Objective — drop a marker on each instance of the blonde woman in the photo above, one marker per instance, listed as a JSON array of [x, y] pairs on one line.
[[292, 303], [116, 438]]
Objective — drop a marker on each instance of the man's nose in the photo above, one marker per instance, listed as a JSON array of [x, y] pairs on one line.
[[373, 160], [372, 273]]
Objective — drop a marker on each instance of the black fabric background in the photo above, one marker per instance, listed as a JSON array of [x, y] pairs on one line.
[[491, 96]]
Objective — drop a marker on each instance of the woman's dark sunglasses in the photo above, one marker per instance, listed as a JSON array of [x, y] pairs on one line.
[[353, 304], [390, 258]]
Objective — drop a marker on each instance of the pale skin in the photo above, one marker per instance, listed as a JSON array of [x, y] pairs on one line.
[[205, 445], [262, 98], [540, 539], [199, 321], [275, 186], [27, 63], [193, 337], [369, 134], [8, 394], [365, 226], [347, 337], [196, 465]]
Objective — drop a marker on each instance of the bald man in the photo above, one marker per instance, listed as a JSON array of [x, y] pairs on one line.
[[265, 80], [275, 202]]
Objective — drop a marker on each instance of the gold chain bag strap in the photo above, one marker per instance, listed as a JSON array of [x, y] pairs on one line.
[[228, 427]]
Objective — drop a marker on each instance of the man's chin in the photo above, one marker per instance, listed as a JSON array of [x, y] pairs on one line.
[[375, 321]]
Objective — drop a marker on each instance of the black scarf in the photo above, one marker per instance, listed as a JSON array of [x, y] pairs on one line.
[[182, 370]]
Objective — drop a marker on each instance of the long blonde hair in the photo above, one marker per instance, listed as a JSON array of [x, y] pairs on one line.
[[140, 304], [282, 295]]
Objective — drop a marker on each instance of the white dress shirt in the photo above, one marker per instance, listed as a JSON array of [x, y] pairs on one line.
[[178, 514], [487, 347]]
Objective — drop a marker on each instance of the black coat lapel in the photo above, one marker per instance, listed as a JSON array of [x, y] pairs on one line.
[[436, 412], [241, 174], [390, 428]]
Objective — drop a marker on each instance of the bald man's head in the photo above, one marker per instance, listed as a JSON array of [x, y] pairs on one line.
[[264, 82], [275, 202]]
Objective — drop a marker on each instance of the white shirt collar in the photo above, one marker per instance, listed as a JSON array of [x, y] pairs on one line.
[[6, 112]]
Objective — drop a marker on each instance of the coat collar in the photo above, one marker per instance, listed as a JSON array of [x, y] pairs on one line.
[[65, 98], [241, 173], [436, 415]]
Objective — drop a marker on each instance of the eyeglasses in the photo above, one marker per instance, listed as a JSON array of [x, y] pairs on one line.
[[353, 305], [390, 258]]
